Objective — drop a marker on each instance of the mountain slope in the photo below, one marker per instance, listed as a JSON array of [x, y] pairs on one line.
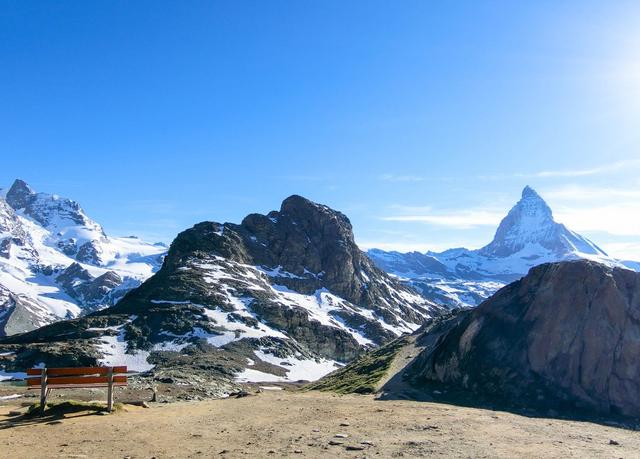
[[567, 336], [56, 263], [282, 296], [528, 236]]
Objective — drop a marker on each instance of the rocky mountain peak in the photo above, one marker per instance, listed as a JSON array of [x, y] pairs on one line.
[[51, 211], [530, 193], [529, 225], [20, 194]]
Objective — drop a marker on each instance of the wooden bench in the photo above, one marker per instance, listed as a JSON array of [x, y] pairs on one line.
[[46, 379]]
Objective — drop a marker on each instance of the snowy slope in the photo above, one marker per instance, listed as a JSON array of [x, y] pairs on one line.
[[55, 262], [528, 236]]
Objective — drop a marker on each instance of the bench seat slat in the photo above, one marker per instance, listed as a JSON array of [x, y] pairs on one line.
[[76, 371], [79, 386], [64, 380]]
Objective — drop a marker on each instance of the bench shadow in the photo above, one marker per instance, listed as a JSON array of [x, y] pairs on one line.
[[53, 414]]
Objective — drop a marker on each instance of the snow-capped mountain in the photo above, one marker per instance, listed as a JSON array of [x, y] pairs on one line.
[[280, 297], [56, 263], [528, 236]]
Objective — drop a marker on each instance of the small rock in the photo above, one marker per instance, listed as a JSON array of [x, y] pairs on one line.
[[316, 430], [344, 424], [613, 442], [298, 451], [335, 443], [341, 435], [367, 443], [354, 448]]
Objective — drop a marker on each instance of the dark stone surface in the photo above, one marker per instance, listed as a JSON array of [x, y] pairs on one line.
[[566, 333]]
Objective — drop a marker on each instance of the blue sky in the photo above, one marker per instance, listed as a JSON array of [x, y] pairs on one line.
[[422, 121]]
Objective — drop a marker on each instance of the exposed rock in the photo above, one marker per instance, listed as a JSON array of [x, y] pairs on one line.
[[567, 332]]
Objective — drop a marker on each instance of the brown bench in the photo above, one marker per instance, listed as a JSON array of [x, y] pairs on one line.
[[46, 379]]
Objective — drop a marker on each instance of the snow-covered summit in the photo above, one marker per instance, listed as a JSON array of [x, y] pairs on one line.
[[45, 240], [70, 229], [531, 222], [528, 236]]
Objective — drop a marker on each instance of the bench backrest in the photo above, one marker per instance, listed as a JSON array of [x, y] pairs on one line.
[[76, 377]]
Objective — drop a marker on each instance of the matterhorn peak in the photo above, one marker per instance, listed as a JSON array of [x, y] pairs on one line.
[[530, 193], [530, 224]]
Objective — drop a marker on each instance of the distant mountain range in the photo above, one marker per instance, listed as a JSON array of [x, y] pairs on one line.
[[56, 263], [280, 297], [528, 236]]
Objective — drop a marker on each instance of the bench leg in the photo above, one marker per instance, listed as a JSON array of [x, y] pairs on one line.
[[110, 390], [44, 391]]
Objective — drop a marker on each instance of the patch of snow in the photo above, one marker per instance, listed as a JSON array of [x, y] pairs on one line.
[[114, 351]]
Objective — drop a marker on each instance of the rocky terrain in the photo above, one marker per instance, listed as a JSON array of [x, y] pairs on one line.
[[528, 236], [565, 337], [280, 297], [57, 263]]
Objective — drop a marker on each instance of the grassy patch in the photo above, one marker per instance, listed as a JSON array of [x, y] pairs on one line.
[[70, 406], [362, 375]]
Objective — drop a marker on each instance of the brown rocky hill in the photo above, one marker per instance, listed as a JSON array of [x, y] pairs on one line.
[[566, 335]]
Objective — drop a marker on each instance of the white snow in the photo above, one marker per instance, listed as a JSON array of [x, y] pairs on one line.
[[250, 375], [299, 368], [53, 222], [114, 350]]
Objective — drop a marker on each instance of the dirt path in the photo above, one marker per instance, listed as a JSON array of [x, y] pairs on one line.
[[393, 382], [283, 423]]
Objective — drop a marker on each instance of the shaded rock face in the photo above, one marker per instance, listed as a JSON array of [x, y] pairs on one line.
[[19, 313], [305, 248], [567, 331], [91, 291]]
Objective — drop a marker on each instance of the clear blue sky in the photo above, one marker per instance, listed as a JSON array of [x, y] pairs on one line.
[[420, 120]]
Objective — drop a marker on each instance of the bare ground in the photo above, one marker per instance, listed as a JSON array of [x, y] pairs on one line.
[[292, 423]]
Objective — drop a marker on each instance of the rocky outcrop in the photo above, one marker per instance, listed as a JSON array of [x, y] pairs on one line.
[[566, 333], [305, 248], [19, 313], [92, 292]]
